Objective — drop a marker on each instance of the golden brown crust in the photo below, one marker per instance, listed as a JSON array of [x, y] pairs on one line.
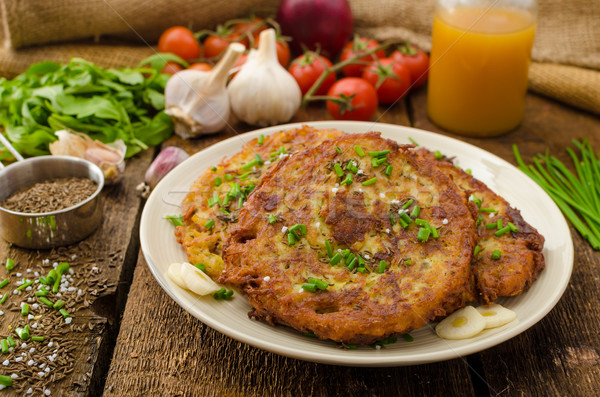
[[204, 245], [422, 280], [521, 257]]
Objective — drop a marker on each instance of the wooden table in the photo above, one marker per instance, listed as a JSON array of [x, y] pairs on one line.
[[129, 338]]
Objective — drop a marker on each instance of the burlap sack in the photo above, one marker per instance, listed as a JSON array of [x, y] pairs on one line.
[[566, 49]]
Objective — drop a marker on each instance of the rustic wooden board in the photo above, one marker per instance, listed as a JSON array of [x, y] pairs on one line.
[[88, 342]]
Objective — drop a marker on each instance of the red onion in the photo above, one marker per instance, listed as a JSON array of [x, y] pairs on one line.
[[325, 24]]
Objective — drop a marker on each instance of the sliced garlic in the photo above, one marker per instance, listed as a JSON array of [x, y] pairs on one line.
[[189, 277], [496, 315], [174, 273], [462, 324]]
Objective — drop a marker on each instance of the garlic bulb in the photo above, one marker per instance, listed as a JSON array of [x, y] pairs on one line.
[[197, 101], [109, 157], [167, 159], [264, 93]]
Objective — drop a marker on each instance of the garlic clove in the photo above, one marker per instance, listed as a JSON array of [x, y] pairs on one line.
[[196, 280], [166, 160], [109, 157], [263, 92], [496, 315], [462, 324], [197, 101]]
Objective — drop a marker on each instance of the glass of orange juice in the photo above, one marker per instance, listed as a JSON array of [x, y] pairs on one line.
[[480, 55]]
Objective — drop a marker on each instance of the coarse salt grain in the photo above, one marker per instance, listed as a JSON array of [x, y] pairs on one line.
[[284, 229], [34, 325], [47, 369], [19, 359], [382, 195], [35, 306], [28, 270], [267, 278], [68, 320], [491, 215], [19, 275], [42, 365], [50, 344], [301, 290], [32, 350], [5, 362], [1, 313], [28, 288], [360, 172], [29, 391], [24, 345], [41, 373], [37, 274], [55, 264], [367, 256], [30, 362], [334, 189], [445, 221], [14, 376], [394, 201], [387, 231], [30, 317]]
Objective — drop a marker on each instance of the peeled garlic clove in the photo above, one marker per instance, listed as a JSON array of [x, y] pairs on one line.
[[174, 273], [166, 160], [197, 101], [68, 144], [462, 324], [196, 280], [496, 315]]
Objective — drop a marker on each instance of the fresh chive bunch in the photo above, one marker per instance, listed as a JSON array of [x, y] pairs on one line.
[[576, 194]]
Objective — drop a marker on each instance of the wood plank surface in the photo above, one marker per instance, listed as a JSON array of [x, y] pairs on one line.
[[103, 267]]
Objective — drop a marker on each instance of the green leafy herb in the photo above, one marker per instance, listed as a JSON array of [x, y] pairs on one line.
[[105, 104], [176, 220]]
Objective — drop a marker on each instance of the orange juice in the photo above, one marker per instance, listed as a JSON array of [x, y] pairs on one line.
[[479, 63]]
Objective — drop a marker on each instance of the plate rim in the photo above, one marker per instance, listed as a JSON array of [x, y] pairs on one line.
[[378, 358]]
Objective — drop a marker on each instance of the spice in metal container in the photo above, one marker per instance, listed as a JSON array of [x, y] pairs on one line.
[[50, 195]]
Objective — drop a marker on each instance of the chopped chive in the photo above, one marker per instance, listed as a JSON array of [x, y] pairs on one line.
[[24, 285], [51, 277], [350, 258], [329, 249], [501, 232], [468, 171], [369, 182], [176, 220], [56, 284], [46, 301], [6, 381], [23, 333], [62, 268], [415, 211], [225, 202], [475, 200], [64, 313], [10, 264], [213, 169], [272, 219], [229, 177], [212, 201], [359, 151], [487, 210], [4, 298], [4, 346], [337, 149], [200, 266], [58, 304], [261, 139], [421, 222], [352, 167], [303, 228], [479, 220], [403, 223], [438, 155], [338, 170], [348, 180], [335, 259], [379, 153], [408, 338], [423, 234], [392, 218], [476, 250], [405, 217], [209, 224], [24, 309], [44, 280], [345, 253], [351, 264], [388, 170], [298, 226], [249, 165], [11, 341], [408, 262], [322, 285], [407, 204], [4, 283], [512, 227], [37, 338], [434, 231], [41, 292], [361, 269], [240, 202], [491, 225], [361, 261], [258, 159], [291, 239], [499, 223], [413, 141], [218, 181], [496, 254], [309, 287], [382, 265]]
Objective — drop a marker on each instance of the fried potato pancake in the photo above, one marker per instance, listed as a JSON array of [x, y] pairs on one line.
[[354, 241], [520, 247], [215, 198]]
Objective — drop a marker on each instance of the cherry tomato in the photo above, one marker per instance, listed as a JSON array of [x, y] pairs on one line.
[[201, 66], [362, 99], [171, 68], [307, 68], [215, 44], [283, 51], [416, 60], [253, 26], [390, 78], [356, 47], [179, 41], [238, 64]]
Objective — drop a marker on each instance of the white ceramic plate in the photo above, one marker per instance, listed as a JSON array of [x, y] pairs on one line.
[[230, 317]]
